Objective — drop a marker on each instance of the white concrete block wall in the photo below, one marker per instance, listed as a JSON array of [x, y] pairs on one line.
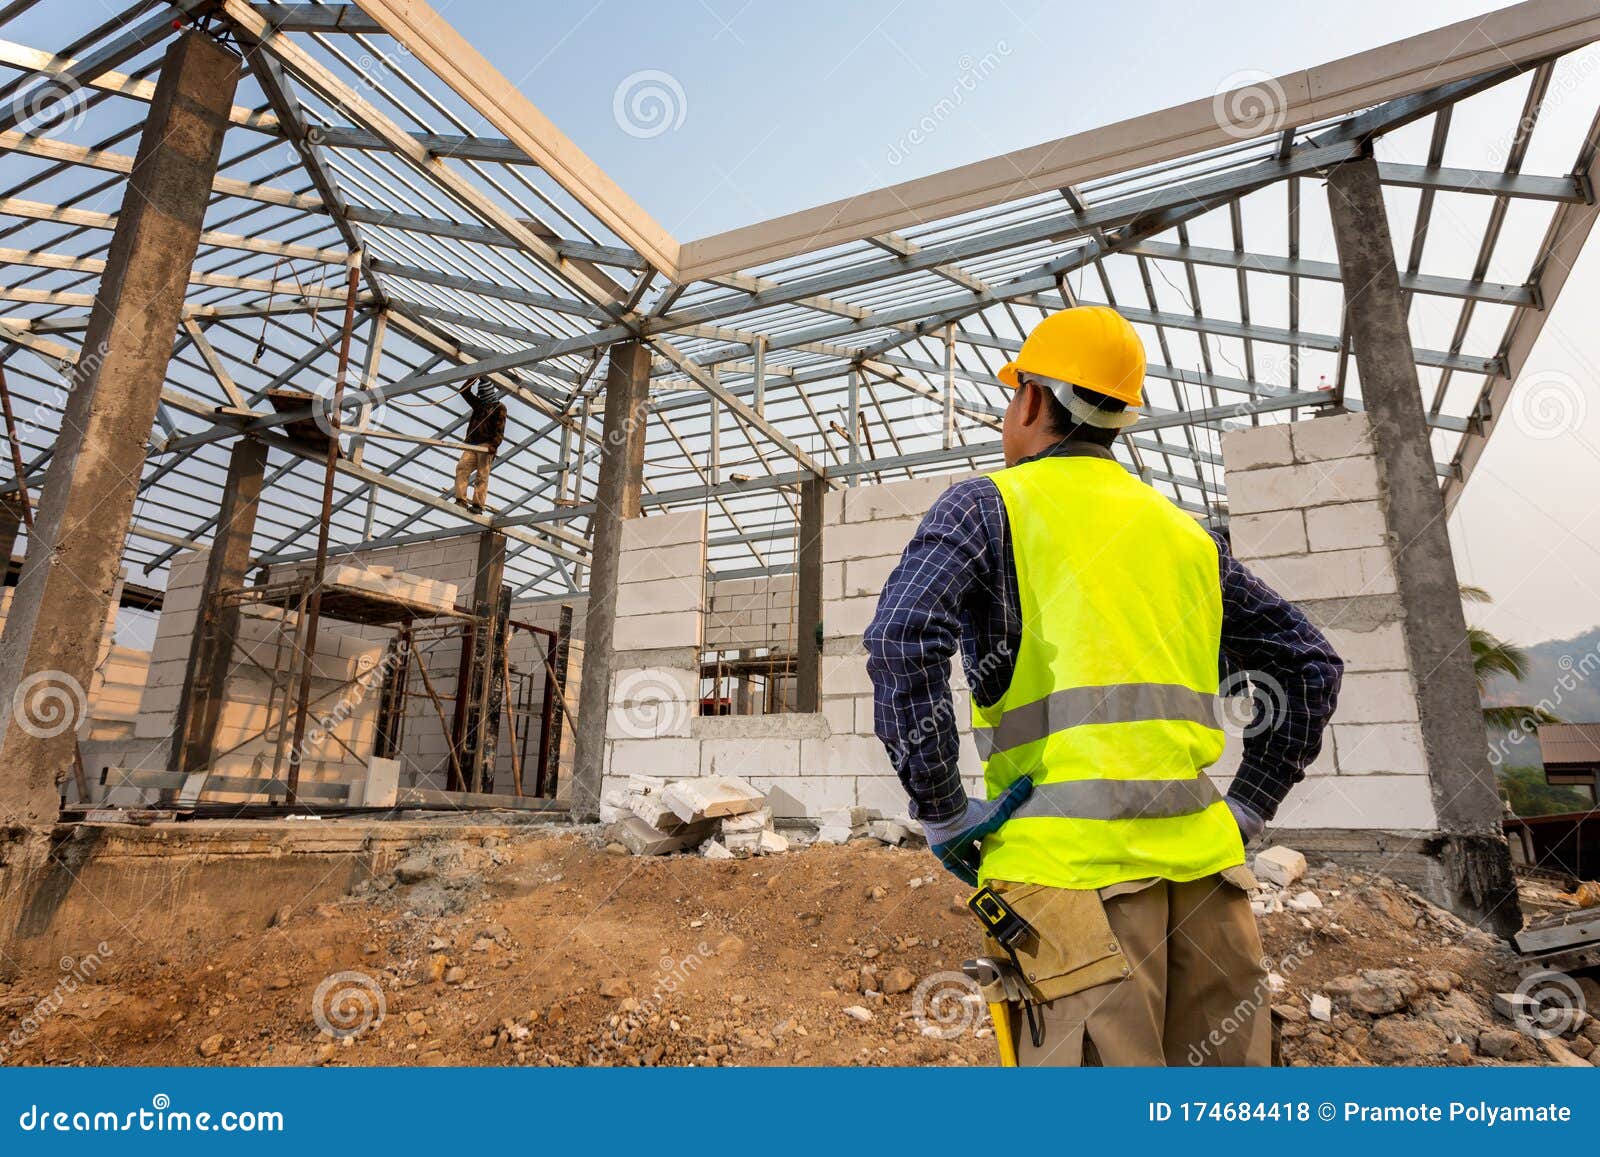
[[806, 764], [1307, 516]]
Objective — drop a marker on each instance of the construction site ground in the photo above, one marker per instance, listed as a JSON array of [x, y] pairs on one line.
[[551, 949]]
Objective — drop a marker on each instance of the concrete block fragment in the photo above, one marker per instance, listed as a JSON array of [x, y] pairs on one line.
[[1257, 446], [382, 784], [715, 851], [754, 821], [710, 797], [1333, 436], [1279, 865], [643, 840], [769, 843]]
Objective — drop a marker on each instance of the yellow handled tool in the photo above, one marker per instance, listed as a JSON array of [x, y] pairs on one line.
[[999, 989]]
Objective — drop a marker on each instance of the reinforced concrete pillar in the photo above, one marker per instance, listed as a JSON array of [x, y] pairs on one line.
[[52, 636], [616, 499], [1473, 851], [217, 627]]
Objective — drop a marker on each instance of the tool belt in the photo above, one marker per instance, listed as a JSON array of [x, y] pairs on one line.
[[1065, 944]]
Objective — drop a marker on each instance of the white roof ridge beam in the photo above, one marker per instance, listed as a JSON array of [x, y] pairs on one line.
[[1511, 36]]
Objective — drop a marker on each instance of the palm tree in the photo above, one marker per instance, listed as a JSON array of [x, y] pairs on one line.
[[1491, 656]]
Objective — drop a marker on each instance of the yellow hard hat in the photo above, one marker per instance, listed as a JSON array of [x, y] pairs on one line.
[[1092, 346]]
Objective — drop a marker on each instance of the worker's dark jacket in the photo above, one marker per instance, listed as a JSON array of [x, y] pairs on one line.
[[487, 427]]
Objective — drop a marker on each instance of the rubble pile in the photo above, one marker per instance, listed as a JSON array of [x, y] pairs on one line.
[[725, 818], [1368, 972]]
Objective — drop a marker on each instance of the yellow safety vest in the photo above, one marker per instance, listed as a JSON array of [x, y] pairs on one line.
[[1112, 705]]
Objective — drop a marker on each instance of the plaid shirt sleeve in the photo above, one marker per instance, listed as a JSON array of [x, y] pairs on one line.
[[1294, 676], [926, 604]]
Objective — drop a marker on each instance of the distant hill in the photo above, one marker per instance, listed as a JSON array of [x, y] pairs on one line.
[[1563, 675]]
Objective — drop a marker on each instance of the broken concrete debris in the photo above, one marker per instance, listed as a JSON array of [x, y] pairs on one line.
[[1279, 865], [726, 818]]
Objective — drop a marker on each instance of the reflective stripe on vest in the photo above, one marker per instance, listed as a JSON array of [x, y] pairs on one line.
[[1076, 706], [1120, 799]]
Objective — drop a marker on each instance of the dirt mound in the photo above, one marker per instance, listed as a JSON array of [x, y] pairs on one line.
[[548, 950]]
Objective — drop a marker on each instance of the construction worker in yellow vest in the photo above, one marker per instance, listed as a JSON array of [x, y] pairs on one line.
[[1097, 621]]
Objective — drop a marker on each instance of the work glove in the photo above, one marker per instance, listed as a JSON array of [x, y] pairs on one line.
[[957, 841], [1249, 820]]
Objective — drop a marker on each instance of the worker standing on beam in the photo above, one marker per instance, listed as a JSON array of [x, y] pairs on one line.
[[485, 430], [1095, 621]]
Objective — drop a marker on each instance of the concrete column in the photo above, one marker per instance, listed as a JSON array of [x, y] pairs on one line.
[[808, 596], [52, 636], [215, 629], [1474, 853], [616, 499]]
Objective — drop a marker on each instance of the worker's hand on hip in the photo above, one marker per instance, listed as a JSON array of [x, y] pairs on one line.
[[957, 841], [1249, 820]]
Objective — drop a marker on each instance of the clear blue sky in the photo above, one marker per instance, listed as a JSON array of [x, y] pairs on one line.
[[785, 106]]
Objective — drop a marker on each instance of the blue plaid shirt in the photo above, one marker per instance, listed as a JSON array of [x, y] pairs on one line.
[[956, 587]]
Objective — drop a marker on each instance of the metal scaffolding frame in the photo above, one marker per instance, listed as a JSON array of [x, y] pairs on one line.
[[858, 341]]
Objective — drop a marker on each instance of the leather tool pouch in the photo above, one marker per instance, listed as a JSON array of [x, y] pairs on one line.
[[1071, 947]]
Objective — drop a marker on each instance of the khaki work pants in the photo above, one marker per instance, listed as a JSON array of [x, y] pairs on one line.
[[1196, 992], [473, 462]]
